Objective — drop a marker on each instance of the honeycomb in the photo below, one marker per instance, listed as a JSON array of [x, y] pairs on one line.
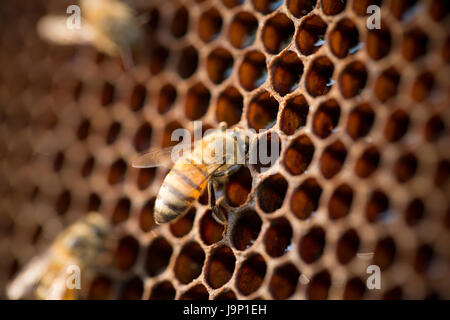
[[362, 116]]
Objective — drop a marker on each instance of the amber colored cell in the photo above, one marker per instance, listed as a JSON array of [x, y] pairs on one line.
[[138, 97], [386, 84], [333, 7], [423, 258], [163, 291], [167, 134], [269, 150], [434, 128], [378, 42], [117, 172], [442, 173], [312, 244], [166, 98], [146, 220], [189, 263], [58, 162], [180, 22], [63, 202], [300, 8], [242, 30], [318, 286], [439, 9], [188, 62], [298, 155], [354, 289], [126, 253], [305, 199], [251, 274], [284, 281], [384, 253], [347, 246], [271, 193], [158, 256], [253, 72], [94, 202], [446, 50], [158, 58], [142, 137], [311, 34], [360, 121], [286, 73], [319, 77], [246, 230], [377, 206], [197, 292], [132, 289], [262, 111], [278, 237], [414, 212], [414, 45], [220, 267], [344, 38], [83, 129], [402, 9], [210, 230], [145, 177], [277, 33], [229, 106], [294, 114], [423, 86], [340, 202], [108, 94], [353, 79], [183, 225], [266, 6], [99, 288], [87, 167], [360, 6], [209, 25], [121, 211], [197, 101], [219, 64], [238, 187], [368, 162], [226, 295], [405, 167], [113, 132], [232, 3], [396, 126], [326, 118], [395, 293], [332, 159]]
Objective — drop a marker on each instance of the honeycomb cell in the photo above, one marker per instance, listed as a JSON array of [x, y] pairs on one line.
[[405, 167], [442, 173], [414, 44], [226, 295], [113, 132], [298, 155], [271, 193], [229, 106], [219, 65], [238, 187], [158, 59], [158, 256], [183, 225], [277, 33], [368, 162], [311, 34], [246, 230], [166, 98], [87, 167], [198, 292], [446, 51], [132, 289], [189, 263], [360, 6], [340, 202], [63, 202], [210, 230], [58, 162], [360, 121], [286, 73], [94, 202], [180, 22], [209, 25], [121, 211], [378, 42], [117, 172], [353, 79], [108, 94], [423, 258], [232, 3], [354, 288], [384, 254], [197, 101], [414, 212], [377, 206], [332, 159], [344, 38], [220, 267], [300, 8], [397, 125], [319, 76], [318, 286], [305, 199], [145, 177], [142, 137], [262, 111], [439, 9], [403, 9], [294, 114], [395, 293], [188, 62], [269, 149], [333, 7], [126, 253], [138, 97], [277, 239], [146, 220], [284, 281], [423, 86], [100, 288], [347, 246], [386, 84], [326, 118], [434, 128], [242, 30], [251, 274], [266, 6], [83, 129], [253, 70], [312, 245], [152, 23], [163, 290]]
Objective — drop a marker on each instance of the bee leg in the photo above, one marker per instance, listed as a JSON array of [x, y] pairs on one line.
[[212, 190], [228, 172]]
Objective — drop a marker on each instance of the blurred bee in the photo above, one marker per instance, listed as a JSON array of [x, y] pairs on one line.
[[109, 25], [82, 244], [195, 170]]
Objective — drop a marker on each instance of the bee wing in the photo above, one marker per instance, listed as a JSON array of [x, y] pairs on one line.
[[53, 28], [25, 282], [160, 157]]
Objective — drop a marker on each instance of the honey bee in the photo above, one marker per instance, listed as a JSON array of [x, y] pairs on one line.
[[82, 244], [212, 159], [109, 25]]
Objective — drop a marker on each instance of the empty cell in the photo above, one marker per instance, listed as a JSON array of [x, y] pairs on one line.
[[305, 199], [209, 25], [442, 173], [219, 65], [226, 295], [311, 35], [183, 225], [439, 9], [189, 263], [294, 114], [238, 187], [271, 193], [121, 211], [277, 33], [220, 267], [354, 289], [83, 129], [132, 289], [63, 202], [262, 111], [333, 7], [423, 258], [360, 6], [397, 126], [332, 159], [167, 134], [146, 220], [347, 246], [312, 245], [434, 128], [210, 230], [113, 132], [232, 3], [197, 292], [414, 44], [166, 98], [386, 84], [229, 106], [277, 239], [403, 9], [94, 202], [117, 172], [340, 202], [377, 206], [138, 97], [126, 253], [251, 274], [378, 42], [319, 76], [284, 281], [423, 86], [352, 79], [299, 155], [180, 22], [246, 230], [145, 178], [360, 121], [100, 288], [384, 253], [414, 212], [253, 70], [318, 286], [344, 38], [187, 62], [158, 256], [405, 167], [142, 137], [108, 94], [87, 167], [395, 293], [242, 30], [267, 6], [58, 162], [286, 72], [268, 150], [300, 8], [326, 118], [158, 58], [163, 290]]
